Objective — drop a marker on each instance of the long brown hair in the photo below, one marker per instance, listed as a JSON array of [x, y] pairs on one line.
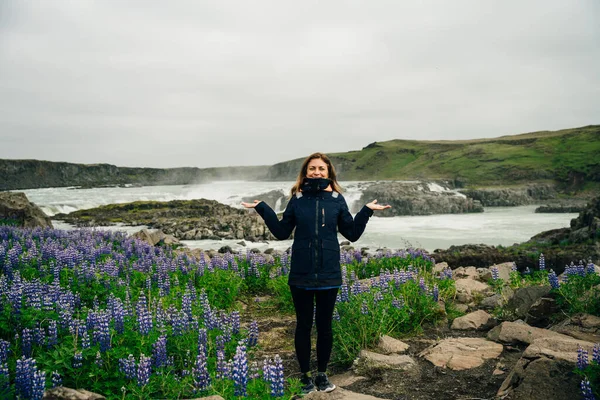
[[330, 173]]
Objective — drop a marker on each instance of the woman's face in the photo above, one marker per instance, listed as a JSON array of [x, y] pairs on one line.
[[317, 168]]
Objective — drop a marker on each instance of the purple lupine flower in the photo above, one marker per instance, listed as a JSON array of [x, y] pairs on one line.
[[514, 267], [527, 271], [235, 322], [364, 308], [596, 353], [586, 390], [240, 371], [220, 342], [85, 340], [254, 372], [4, 349], [56, 379], [102, 332], [128, 366], [99, 362], [336, 315], [200, 373], [77, 360], [144, 318], [495, 273], [553, 279], [29, 382], [582, 358], [26, 339], [203, 339], [377, 297], [436, 293], [344, 293], [186, 305], [253, 334], [159, 352], [590, 268], [542, 262], [52, 338], [276, 376], [4, 377], [143, 370], [222, 371]]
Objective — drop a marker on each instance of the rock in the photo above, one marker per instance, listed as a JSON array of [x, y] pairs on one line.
[[524, 298], [439, 267], [535, 374], [368, 363], [421, 198], [346, 379], [478, 320], [519, 332], [504, 270], [498, 299], [339, 394], [15, 209], [465, 273], [461, 307], [225, 249], [541, 312], [462, 353], [504, 197], [389, 345], [580, 326], [63, 393], [471, 286]]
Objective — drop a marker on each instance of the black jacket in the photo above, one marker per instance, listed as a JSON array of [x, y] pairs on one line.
[[316, 215]]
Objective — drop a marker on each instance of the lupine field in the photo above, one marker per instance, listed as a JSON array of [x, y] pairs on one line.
[[110, 314]]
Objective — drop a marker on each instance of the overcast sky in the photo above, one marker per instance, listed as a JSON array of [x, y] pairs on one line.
[[216, 83]]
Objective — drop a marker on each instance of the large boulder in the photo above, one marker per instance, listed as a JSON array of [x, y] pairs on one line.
[[507, 197], [535, 375], [420, 198], [462, 353], [16, 209]]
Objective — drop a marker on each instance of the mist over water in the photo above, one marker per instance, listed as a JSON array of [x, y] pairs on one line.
[[495, 226]]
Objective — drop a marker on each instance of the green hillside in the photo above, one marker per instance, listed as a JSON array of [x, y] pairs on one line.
[[568, 157]]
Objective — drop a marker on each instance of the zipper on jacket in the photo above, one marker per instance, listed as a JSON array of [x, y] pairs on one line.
[[317, 238], [323, 220]]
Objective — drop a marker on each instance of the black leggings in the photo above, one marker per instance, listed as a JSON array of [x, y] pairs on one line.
[[304, 302]]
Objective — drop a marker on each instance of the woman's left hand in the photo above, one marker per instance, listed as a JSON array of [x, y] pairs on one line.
[[374, 206]]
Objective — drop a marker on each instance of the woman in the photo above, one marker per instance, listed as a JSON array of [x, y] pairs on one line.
[[317, 210]]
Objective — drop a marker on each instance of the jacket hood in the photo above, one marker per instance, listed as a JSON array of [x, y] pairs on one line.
[[314, 185]]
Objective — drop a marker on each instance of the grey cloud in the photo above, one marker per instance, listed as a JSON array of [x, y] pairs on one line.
[[216, 83]]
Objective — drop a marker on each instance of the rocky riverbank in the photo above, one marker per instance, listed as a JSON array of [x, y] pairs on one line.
[[183, 219], [560, 246]]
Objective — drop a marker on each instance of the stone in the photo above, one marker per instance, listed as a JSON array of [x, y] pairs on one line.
[[524, 298], [541, 312], [504, 270], [477, 320], [63, 393], [498, 299], [534, 376], [339, 394], [439, 267], [471, 286], [465, 273], [389, 345], [15, 208], [225, 249], [346, 379], [518, 332], [462, 353], [369, 361], [580, 326]]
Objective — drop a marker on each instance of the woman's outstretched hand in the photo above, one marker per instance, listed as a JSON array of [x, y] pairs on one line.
[[251, 205], [374, 206]]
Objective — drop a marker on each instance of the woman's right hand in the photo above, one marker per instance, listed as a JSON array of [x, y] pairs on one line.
[[251, 205]]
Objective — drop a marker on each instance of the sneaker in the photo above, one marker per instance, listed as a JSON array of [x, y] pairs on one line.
[[307, 384], [323, 383]]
